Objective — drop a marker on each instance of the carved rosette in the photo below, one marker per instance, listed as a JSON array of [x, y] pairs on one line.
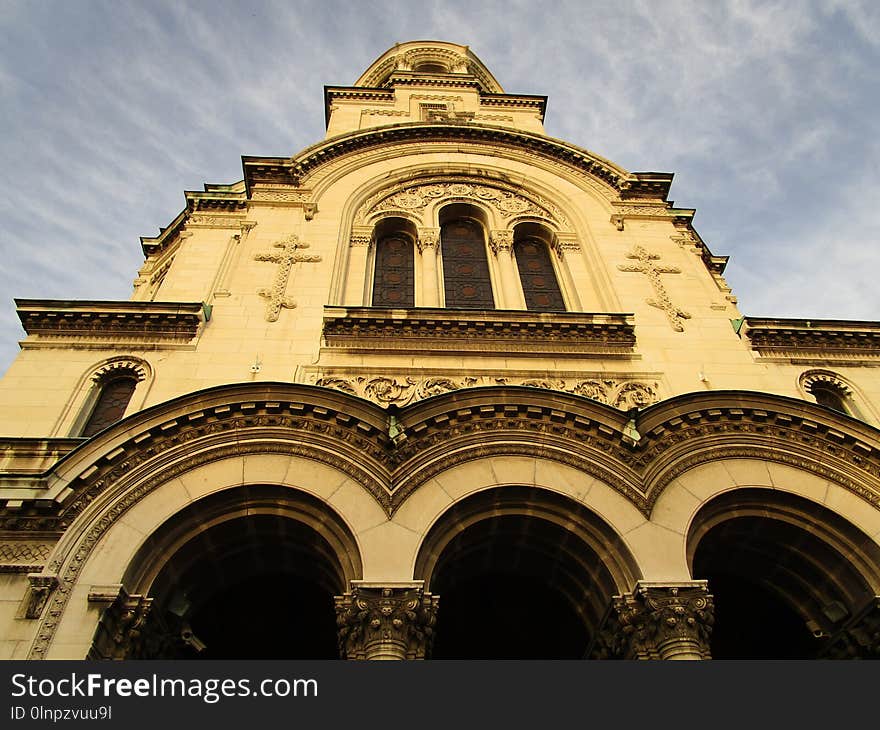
[[386, 622], [120, 630], [659, 622]]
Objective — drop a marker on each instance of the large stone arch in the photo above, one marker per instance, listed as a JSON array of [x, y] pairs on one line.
[[791, 577], [523, 550]]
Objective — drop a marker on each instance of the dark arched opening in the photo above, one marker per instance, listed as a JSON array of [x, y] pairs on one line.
[[785, 575], [522, 574], [247, 574]]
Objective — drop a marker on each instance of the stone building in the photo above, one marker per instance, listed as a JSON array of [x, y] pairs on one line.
[[437, 385]]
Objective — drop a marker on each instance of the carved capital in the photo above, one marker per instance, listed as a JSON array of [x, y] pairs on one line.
[[659, 621], [360, 239], [120, 629], [428, 238], [393, 621], [501, 240], [40, 587], [309, 210]]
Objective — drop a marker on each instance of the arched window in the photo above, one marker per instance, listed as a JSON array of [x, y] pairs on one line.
[[537, 276], [829, 396], [112, 401], [465, 266], [393, 280]]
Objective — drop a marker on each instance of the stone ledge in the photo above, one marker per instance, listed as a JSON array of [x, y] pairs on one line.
[[459, 330], [796, 339], [111, 319]]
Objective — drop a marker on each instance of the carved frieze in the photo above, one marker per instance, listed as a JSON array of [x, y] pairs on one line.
[[402, 390], [24, 553], [507, 202]]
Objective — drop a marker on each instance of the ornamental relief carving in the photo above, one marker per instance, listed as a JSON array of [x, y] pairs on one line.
[[25, 552], [403, 390], [417, 197]]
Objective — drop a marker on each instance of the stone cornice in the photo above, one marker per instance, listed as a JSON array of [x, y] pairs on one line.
[[447, 330], [111, 320], [803, 339], [638, 185]]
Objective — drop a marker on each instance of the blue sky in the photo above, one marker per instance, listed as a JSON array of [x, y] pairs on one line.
[[767, 112]]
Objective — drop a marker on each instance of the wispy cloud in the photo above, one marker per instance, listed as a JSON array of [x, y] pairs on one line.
[[766, 111]]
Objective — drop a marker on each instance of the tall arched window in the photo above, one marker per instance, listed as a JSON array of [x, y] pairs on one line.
[[465, 266], [112, 401], [393, 280], [539, 284]]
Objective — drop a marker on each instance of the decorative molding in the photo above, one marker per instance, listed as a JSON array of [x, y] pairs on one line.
[[811, 377], [123, 365], [281, 194], [360, 239], [805, 340], [394, 621], [418, 196], [402, 390], [384, 113], [662, 301], [110, 320], [26, 552], [214, 221], [660, 210], [285, 260], [450, 330]]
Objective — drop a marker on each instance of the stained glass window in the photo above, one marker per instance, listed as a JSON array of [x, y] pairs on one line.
[[465, 267], [111, 404], [537, 276], [393, 280]]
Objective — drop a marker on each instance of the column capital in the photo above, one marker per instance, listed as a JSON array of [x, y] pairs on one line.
[[500, 240], [428, 238], [386, 621], [659, 621], [121, 625]]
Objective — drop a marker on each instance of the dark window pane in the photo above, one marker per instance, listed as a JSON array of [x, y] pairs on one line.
[[537, 276], [829, 398], [465, 268], [393, 280], [111, 405]]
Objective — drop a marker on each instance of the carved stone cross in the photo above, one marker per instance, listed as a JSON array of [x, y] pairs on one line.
[[285, 259], [647, 266]]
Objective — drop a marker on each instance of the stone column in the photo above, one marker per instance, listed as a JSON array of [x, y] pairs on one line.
[[357, 277], [428, 243], [381, 621], [501, 243], [658, 621]]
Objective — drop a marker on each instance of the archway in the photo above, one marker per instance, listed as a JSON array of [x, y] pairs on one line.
[[789, 577], [522, 573], [247, 573]]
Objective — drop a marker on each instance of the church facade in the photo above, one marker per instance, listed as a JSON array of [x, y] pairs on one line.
[[439, 385]]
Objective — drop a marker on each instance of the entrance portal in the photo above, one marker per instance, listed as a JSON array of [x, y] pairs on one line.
[[521, 574]]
